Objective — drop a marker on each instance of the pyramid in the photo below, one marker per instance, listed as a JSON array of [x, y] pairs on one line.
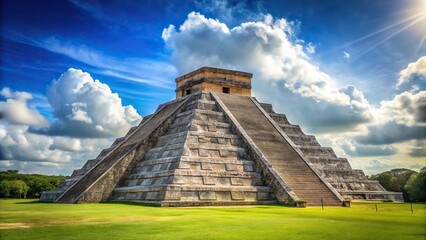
[[217, 145]]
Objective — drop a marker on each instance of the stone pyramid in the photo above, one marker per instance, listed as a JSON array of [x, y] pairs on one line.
[[217, 145]]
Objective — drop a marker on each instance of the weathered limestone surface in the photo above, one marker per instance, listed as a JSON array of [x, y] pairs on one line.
[[199, 161]]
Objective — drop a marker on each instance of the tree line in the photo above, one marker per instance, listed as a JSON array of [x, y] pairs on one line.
[[412, 184], [16, 185]]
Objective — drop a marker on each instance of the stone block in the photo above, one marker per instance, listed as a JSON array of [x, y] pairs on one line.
[[209, 181], [207, 195], [178, 180], [221, 140], [234, 141], [130, 196], [152, 196], [248, 167], [184, 165], [237, 195], [224, 153], [231, 167], [223, 181], [202, 152], [212, 128], [186, 151], [223, 196], [172, 195], [250, 196], [236, 181], [206, 166], [262, 196], [189, 196]]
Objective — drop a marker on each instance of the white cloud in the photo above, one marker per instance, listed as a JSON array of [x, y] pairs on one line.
[[16, 110], [346, 55], [88, 118], [31, 153], [407, 108], [21, 145], [270, 50], [84, 107], [417, 68], [310, 48], [354, 149]]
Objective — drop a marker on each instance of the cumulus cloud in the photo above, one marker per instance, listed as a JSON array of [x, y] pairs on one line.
[[392, 132], [15, 109], [354, 149], [29, 152], [271, 51], [407, 108], [414, 70], [85, 107], [88, 117], [18, 144]]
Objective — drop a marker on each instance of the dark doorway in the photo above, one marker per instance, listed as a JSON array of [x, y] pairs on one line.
[[226, 90], [188, 91]]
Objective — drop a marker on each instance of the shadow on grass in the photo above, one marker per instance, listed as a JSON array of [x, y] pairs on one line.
[[132, 203], [34, 201]]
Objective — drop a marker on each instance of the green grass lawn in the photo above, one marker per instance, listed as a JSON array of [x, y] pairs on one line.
[[29, 219]]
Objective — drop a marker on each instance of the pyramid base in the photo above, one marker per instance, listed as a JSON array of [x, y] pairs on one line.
[[199, 203]]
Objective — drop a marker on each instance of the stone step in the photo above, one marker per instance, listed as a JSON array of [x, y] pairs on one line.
[[303, 140], [216, 150], [202, 104], [171, 150], [267, 107], [317, 151], [279, 118], [171, 138], [291, 129], [192, 188], [342, 174], [190, 173]]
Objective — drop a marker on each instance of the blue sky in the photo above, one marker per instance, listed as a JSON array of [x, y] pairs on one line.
[[351, 72]]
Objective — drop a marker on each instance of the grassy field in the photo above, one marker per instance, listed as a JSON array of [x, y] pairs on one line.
[[29, 219]]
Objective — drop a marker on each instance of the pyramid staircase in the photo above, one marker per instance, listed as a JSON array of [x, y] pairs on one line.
[[278, 150]]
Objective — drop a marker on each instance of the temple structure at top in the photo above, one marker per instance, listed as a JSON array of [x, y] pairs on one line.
[[217, 80], [215, 144]]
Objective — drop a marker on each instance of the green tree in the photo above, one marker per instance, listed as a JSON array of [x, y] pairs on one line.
[[18, 189], [5, 188], [416, 186], [395, 180]]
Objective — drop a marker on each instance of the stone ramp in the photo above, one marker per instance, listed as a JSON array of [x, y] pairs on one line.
[[282, 156], [98, 183]]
